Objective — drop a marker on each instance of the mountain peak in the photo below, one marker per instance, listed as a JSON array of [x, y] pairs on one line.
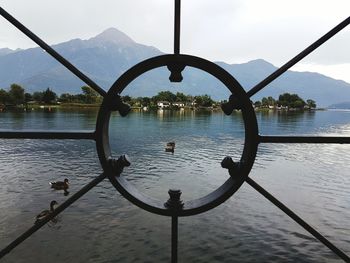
[[5, 51], [113, 35], [261, 62]]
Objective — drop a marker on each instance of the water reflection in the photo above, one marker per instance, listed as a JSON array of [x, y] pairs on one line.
[[284, 122], [312, 180], [295, 120], [201, 144], [45, 119], [164, 114], [45, 213]]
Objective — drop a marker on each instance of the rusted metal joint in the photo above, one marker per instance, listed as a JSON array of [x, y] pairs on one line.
[[118, 165], [233, 167], [232, 104], [175, 72], [174, 202], [115, 103]]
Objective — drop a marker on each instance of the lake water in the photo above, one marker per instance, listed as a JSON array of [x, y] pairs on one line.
[[102, 226]]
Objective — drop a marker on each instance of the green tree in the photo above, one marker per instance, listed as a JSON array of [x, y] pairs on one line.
[[257, 104], [38, 96], [189, 99], [145, 101], [4, 97], [311, 104], [180, 97], [136, 102], [298, 104], [165, 96], [291, 101], [204, 100], [271, 101], [66, 98], [265, 102], [91, 96], [79, 98], [198, 100], [27, 97], [49, 96], [16, 93], [207, 101]]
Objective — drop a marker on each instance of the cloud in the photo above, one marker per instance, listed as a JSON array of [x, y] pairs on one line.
[[231, 31]]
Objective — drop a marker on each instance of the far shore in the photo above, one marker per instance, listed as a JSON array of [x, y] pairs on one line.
[[31, 107]]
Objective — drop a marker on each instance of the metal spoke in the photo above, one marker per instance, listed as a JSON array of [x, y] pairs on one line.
[[174, 238], [297, 58], [58, 210], [304, 139], [52, 52], [77, 135], [298, 219], [177, 27]]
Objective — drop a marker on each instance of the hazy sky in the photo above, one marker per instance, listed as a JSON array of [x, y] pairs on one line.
[[233, 31]]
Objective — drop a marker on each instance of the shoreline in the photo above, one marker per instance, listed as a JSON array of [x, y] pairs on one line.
[[74, 106]]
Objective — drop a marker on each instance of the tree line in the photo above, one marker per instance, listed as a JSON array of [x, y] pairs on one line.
[[172, 98], [17, 96], [285, 100]]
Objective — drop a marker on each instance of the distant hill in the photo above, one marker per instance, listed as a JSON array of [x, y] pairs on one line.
[[342, 105], [103, 58], [106, 56], [6, 51]]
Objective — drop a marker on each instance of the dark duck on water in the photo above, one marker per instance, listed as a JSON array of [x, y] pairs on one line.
[[59, 185], [170, 147], [43, 214]]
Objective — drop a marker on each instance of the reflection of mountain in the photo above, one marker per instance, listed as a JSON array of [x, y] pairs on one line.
[[105, 57]]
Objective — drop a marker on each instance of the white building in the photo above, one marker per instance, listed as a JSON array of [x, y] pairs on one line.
[[163, 104], [179, 104]]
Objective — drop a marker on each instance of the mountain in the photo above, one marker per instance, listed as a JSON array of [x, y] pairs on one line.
[[308, 85], [342, 105], [106, 56], [6, 51], [103, 58], [112, 36]]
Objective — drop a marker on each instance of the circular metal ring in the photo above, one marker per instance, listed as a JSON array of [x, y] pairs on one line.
[[211, 200]]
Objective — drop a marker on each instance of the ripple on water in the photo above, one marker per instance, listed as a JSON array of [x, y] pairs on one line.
[[102, 226]]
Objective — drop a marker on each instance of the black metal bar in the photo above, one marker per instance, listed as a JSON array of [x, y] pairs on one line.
[[174, 238], [77, 135], [297, 219], [303, 139], [177, 27], [52, 52], [58, 210], [297, 58]]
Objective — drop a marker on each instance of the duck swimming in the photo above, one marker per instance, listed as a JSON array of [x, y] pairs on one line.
[[43, 214], [170, 147], [59, 185]]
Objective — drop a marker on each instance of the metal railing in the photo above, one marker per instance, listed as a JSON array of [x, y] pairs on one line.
[[175, 207]]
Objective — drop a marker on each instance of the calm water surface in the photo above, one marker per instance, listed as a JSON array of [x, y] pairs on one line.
[[313, 180]]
